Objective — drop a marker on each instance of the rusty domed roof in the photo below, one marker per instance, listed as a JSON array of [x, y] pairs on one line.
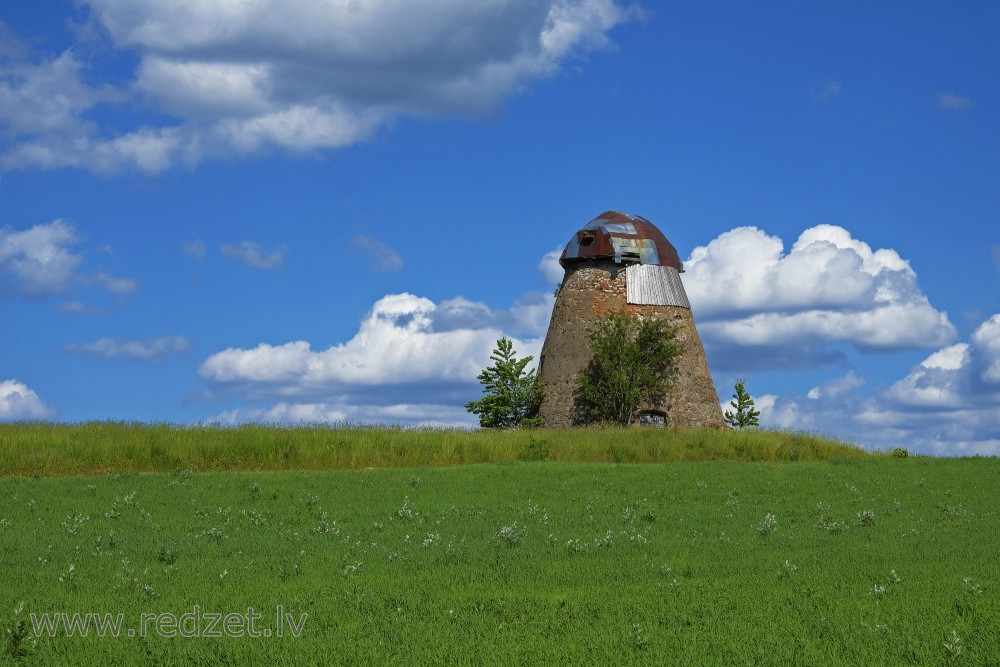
[[624, 238]]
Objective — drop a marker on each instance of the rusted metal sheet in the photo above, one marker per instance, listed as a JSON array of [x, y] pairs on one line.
[[623, 237], [654, 285]]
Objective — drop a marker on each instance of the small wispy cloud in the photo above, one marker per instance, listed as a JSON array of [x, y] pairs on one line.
[[76, 308], [252, 254], [826, 92], [380, 256], [195, 249], [152, 349], [116, 285], [953, 101]]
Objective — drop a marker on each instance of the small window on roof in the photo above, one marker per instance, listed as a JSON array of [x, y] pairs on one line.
[[587, 237]]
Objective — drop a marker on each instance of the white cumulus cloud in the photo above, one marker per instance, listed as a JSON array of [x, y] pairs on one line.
[[550, 268], [18, 402], [297, 75], [948, 404], [790, 308], [42, 261], [411, 361]]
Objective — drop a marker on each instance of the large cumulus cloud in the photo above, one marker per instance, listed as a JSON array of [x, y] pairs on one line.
[[19, 402], [411, 361], [756, 303], [287, 74], [949, 403]]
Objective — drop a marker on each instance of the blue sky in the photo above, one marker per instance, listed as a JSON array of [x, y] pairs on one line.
[[302, 211]]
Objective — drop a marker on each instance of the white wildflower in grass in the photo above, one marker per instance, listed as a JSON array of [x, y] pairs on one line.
[[788, 569], [69, 575], [628, 513], [575, 546], [406, 512], [953, 648], [414, 481], [830, 525], [733, 498], [972, 588], [114, 512], [951, 511], [606, 541], [866, 518], [255, 517], [353, 569], [326, 527], [223, 575], [17, 633], [893, 578], [544, 519], [211, 535], [768, 525], [432, 539], [878, 591], [637, 636], [73, 523], [511, 536]]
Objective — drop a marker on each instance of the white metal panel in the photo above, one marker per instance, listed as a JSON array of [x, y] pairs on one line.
[[654, 285]]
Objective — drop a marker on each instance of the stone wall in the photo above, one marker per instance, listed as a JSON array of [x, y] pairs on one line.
[[589, 291]]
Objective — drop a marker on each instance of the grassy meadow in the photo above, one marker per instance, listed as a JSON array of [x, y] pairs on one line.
[[828, 556], [108, 447]]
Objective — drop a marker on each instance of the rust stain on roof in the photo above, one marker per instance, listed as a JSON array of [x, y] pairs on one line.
[[623, 237]]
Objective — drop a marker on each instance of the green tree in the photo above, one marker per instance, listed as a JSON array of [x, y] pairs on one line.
[[512, 395], [745, 415], [634, 362]]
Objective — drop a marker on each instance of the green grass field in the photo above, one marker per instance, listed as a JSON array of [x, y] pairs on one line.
[[106, 447], [850, 560]]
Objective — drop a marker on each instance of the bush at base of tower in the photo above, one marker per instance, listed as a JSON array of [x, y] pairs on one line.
[[633, 364], [512, 395]]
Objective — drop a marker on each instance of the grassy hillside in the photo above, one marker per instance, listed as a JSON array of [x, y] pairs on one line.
[[875, 561], [101, 447]]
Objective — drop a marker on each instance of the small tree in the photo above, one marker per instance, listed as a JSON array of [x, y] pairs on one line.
[[512, 396], [634, 361], [745, 415]]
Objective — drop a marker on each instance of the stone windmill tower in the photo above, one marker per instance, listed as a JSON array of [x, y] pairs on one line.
[[621, 262]]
